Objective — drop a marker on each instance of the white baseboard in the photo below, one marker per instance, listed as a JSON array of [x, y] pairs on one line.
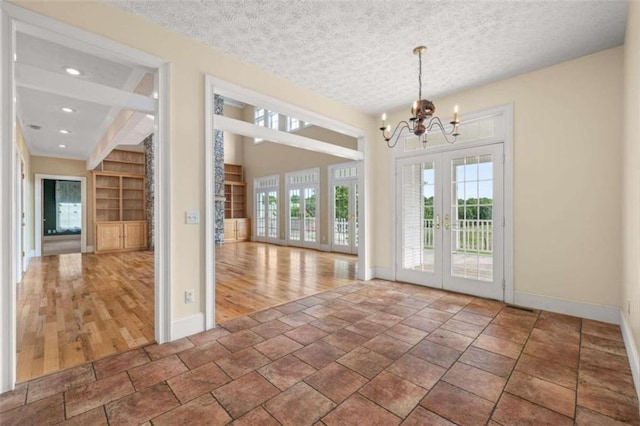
[[31, 254], [382, 273], [604, 313], [56, 237], [183, 327], [324, 247], [632, 350], [90, 249]]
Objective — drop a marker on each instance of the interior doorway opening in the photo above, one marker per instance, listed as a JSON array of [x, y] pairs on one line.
[[63, 123], [288, 202]]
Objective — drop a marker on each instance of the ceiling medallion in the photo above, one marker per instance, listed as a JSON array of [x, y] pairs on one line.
[[422, 119]]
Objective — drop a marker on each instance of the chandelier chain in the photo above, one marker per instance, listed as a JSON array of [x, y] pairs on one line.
[[419, 76]]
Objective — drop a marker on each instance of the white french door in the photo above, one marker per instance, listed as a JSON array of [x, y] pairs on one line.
[[344, 218], [302, 189], [266, 196], [266, 206], [451, 220], [343, 208]]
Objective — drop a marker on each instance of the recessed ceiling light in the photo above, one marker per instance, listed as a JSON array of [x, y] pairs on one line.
[[62, 146], [155, 95], [72, 71], [151, 116], [67, 109], [64, 131]]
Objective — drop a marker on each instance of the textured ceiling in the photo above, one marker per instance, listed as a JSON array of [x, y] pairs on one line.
[[359, 52]]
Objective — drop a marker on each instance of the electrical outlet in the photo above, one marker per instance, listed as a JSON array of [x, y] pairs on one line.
[[191, 218], [189, 296]]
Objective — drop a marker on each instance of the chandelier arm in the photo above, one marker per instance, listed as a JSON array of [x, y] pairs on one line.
[[435, 121], [400, 126]]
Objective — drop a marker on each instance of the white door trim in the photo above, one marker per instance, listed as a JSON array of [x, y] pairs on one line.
[[506, 137], [37, 217], [11, 18], [7, 211]]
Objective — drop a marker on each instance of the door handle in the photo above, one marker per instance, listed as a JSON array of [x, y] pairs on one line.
[[437, 221], [447, 223]]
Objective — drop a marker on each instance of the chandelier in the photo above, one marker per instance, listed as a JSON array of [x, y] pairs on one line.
[[422, 119]]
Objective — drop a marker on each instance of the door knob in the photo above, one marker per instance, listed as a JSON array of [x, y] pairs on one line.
[[447, 223], [437, 221]]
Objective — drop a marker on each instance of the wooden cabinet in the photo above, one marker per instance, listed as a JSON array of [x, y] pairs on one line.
[[108, 237], [237, 230], [116, 236], [135, 235], [119, 205]]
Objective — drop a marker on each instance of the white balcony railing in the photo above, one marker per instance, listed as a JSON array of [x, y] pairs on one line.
[[469, 235]]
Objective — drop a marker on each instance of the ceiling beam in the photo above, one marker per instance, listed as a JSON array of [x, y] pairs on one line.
[[72, 87], [133, 131], [284, 138]]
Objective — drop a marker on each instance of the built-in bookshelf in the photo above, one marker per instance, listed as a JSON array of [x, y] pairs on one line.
[[120, 201], [236, 223], [122, 161], [235, 192]]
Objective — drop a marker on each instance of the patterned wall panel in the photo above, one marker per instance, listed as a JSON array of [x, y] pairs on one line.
[[149, 170], [218, 150]]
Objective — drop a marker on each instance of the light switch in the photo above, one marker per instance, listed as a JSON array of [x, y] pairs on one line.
[[192, 218]]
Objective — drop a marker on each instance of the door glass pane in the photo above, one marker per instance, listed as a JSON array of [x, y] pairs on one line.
[[341, 215], [272, 214], [260, 214], [294, 214], [310, 217], [428, 218], [472, 218], [418, 191]]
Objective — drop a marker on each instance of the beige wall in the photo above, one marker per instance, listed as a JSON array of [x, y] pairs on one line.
[[630, 300], [233, 144], [64, 167], [29, 241], [567, 157], [190, 61], [267, 158]]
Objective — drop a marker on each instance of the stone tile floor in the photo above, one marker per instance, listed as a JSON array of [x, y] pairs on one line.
[[367, 353]]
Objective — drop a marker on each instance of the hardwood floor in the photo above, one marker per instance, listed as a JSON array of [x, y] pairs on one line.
[[75, 308], [254, 276]]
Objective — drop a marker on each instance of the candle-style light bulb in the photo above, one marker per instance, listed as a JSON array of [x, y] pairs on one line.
[[384, 119], [455, 114]]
